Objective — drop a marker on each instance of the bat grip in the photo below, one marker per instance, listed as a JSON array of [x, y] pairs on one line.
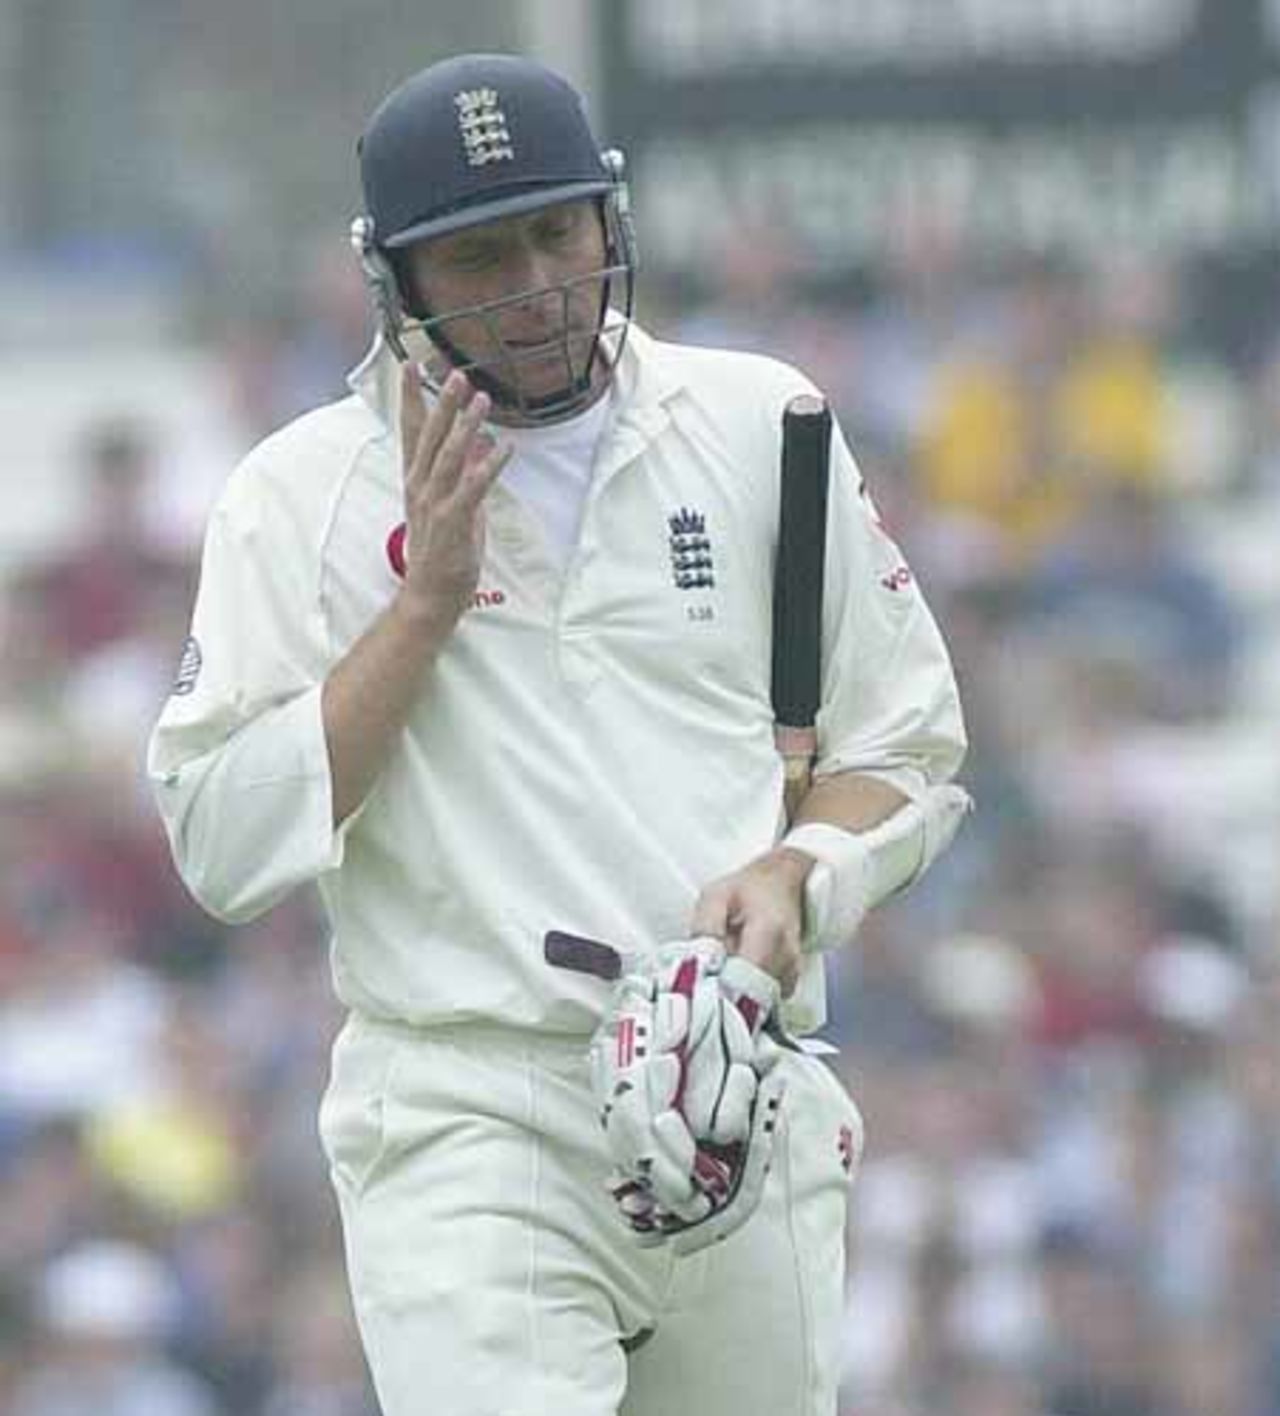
[[797, 747]]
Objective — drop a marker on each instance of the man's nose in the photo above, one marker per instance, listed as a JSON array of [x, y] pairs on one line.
[[537, 273]]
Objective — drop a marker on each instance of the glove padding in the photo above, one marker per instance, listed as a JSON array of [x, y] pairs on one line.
[[689, 1091]]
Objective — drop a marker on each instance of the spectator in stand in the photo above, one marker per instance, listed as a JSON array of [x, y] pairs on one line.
[[104, 1310], [1124, 585], [94, 592], [1019, 433]]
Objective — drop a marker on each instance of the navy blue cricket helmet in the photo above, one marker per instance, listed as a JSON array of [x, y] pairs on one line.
[[475, 139]]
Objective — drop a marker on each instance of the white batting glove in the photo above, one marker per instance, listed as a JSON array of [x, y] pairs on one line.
[[682, 1068]]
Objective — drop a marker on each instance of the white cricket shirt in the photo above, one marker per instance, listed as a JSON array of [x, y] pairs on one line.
[[550, 471], [591, 747]]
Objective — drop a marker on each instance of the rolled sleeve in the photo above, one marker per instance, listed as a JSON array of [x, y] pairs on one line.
[[890, 705], [238, 761], [252, 819]]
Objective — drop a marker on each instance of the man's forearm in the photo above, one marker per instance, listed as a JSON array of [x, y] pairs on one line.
[[846, 800], [368, 696], [849, 800]]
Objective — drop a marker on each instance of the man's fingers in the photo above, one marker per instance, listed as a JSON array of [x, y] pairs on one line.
[[711, 913], [455, 452], [773, 948], [423, 433], [414, 415], [484, 465], [455, 401]]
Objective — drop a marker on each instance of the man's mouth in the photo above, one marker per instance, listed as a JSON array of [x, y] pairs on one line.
[[555, 342]]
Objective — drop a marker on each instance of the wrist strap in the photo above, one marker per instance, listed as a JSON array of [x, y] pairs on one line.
[[855, 870], [835, 890]]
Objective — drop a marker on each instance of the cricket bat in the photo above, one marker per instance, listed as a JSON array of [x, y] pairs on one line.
[[796, 683]]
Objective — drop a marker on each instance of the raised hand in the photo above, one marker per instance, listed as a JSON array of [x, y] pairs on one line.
[[450, 463]]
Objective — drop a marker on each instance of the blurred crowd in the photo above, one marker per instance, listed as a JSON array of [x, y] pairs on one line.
[[1063, 1041]]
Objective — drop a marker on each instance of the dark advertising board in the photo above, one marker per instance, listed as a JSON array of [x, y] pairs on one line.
[[1080, 127]]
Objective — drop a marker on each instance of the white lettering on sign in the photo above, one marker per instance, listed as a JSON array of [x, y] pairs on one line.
[[683, 37], [843, 192]]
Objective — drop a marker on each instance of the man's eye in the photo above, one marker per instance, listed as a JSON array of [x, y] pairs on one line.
[[475, 259], [559, 229]]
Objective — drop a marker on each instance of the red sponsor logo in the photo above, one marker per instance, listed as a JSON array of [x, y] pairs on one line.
[[481, 600], [395, 549], [846, 1147], [626, 1041], [898, 579]]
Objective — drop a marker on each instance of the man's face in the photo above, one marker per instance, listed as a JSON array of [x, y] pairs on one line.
[[522, 259]]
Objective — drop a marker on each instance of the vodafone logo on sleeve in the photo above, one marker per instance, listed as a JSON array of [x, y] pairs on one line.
[[897, 579], [848, 1148]]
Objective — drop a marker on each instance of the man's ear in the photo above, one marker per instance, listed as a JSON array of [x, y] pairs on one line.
[[411, 296]]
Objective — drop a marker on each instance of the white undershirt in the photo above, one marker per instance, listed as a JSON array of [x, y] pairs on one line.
[[550, 471]]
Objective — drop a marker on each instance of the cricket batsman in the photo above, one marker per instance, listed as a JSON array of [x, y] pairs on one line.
[[486, 650]]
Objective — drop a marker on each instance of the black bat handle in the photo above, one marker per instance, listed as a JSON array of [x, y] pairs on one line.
[[799, 565]]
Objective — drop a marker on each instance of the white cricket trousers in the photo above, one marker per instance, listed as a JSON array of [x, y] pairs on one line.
[[491, 1276]]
